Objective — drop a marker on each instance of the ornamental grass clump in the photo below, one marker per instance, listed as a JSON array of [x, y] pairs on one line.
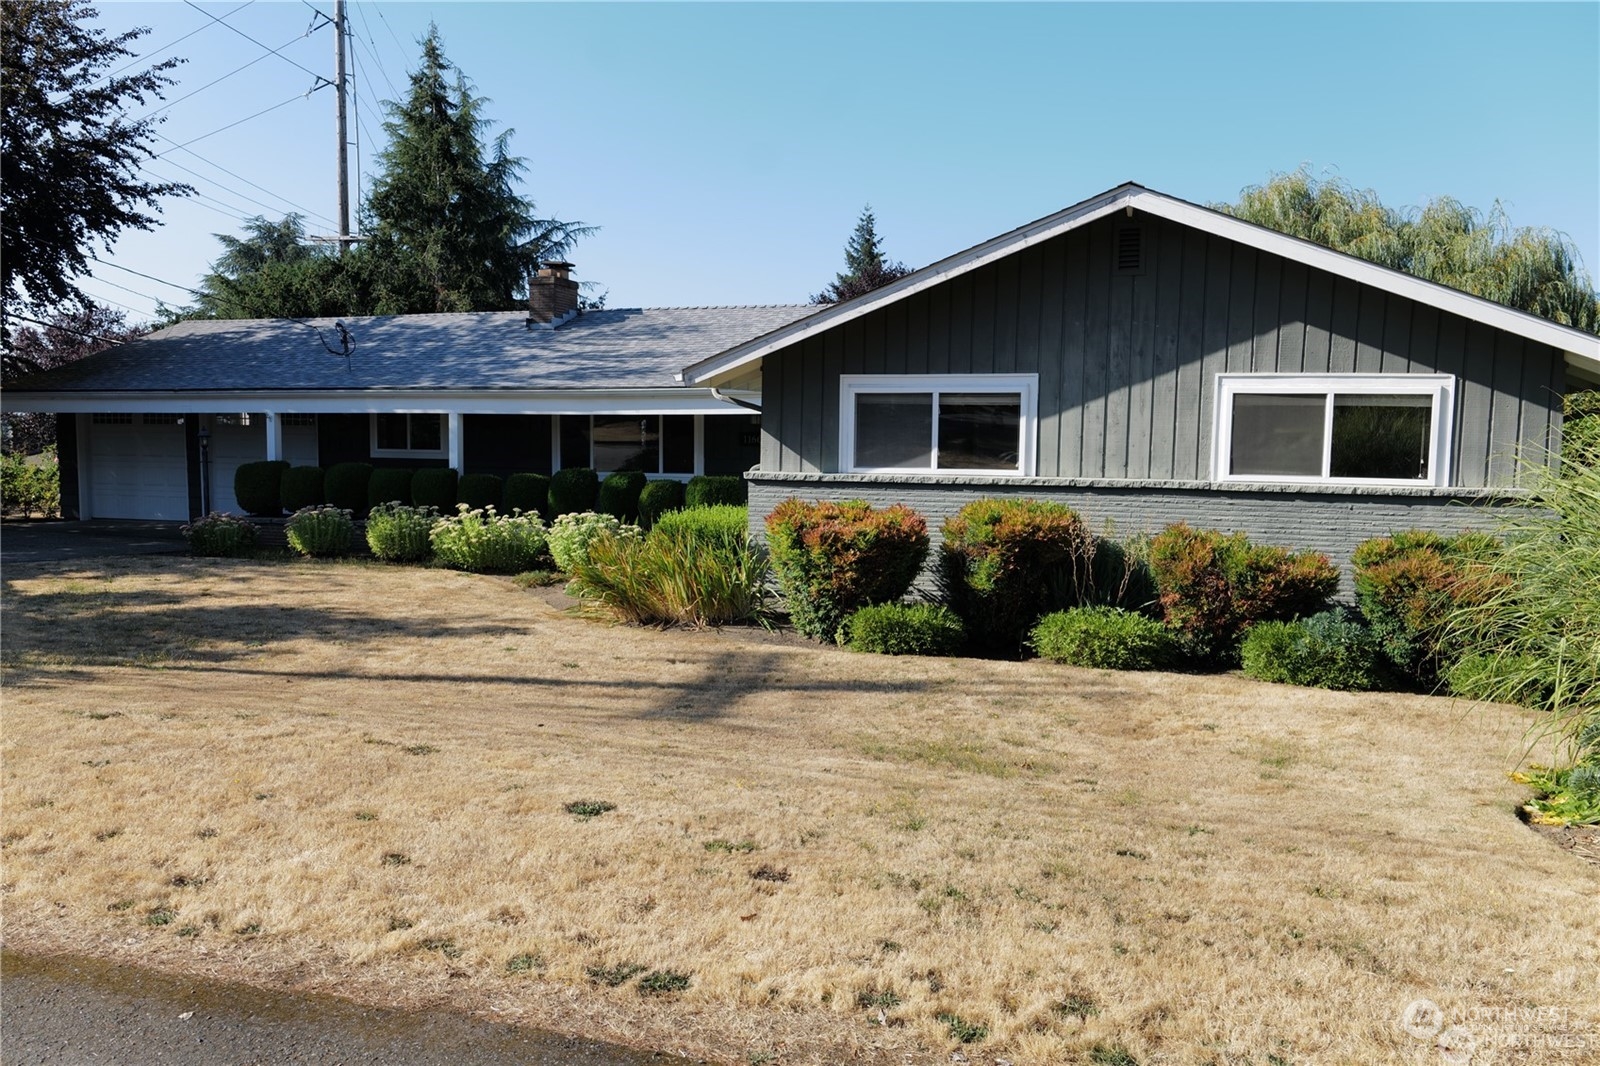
[[484, 541], [1328, 650], [397, 533], [221, 535], [832, 559], [904, 629], [699, 570], [571, 534], [321, 532], [1005, 563], [1104, 638]]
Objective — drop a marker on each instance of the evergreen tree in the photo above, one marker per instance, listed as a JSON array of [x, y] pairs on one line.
[[1531, 269], [271, 272], [865, 266], [69, 157]]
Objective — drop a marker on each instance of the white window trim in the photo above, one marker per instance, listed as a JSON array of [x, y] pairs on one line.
[[699, 448], [1440, 387], [1026, 385], [441, 452]]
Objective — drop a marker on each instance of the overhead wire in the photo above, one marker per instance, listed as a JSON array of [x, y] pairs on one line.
[[78, 332], [275, 51], [146, 55], [372, 50], [254, 185], [142, 274], [242, 121]]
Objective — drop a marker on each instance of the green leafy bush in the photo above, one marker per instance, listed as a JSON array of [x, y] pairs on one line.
[[1568, 795], [657, 499], [571, 534], [435, 486], [301, 488], [695, 573], [832, 559], [904, 629], [528, 493], [31, 487], [716, 490], [221, 535], [725, 523], [480, 490], [1105, 638], [486, 542], [390, 484], [320, 532], [1120, 576], [1214, 586], [1328, 650], [398, 533], [574, 490], [256, 487], [1409, 584], [346, 485], [619, 494], [1004, 563]]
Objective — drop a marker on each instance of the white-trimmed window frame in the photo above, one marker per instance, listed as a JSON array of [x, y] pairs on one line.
[[441, 452], [1024, 385], [1440, 387], [699, 447]]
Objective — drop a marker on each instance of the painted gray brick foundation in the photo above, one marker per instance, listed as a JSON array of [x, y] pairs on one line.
[[1332, 520]]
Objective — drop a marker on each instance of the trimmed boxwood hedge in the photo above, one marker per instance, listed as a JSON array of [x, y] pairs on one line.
[[657, 499], [904, 629], [1328, 650], [345, 485], [256, 486], [301, 487], [528, 493], [478, 491], [619, 494], [390, 484], [713, 490], [1105, 638], [573, 490], [435, 486]]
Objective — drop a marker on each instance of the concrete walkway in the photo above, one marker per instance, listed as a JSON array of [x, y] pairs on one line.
[[45, 541]]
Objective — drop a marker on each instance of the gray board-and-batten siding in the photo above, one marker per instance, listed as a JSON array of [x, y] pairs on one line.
[[1127, 363]]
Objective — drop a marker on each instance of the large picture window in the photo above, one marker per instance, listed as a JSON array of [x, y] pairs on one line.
[[922, 423], [655, 444], [1387, 429], [401, 436]]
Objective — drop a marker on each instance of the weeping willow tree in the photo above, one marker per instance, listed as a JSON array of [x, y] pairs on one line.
[[1533, 269]]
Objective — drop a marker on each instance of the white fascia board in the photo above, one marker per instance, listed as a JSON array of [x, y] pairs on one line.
[[1582, 349], [671, 401]]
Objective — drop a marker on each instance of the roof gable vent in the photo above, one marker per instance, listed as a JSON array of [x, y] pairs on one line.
[[1129, 250]]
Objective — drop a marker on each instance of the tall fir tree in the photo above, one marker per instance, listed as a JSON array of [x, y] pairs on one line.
[[866, 268]]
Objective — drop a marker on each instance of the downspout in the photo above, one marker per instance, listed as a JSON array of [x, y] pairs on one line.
[[718, 394]]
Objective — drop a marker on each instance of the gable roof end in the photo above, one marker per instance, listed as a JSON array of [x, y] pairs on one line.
[[1582, 349]]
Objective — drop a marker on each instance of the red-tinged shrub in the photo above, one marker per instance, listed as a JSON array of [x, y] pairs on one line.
[[1214, 586], [1409, 584], [832, 559]]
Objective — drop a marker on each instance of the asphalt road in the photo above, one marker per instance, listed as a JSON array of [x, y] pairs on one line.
[[66, 1012], [57, 541]]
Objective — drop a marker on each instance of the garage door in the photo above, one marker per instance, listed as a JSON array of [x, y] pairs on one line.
[[137, 467], [242, 438]]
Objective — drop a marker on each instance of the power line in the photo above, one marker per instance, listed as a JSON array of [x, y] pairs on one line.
[[383, 19], [142, 274], [124, 288], [229, 190], [141, 58], [218, 166], [275, 51], [373, 52], [242, 121], [225, 77], [78, 332]]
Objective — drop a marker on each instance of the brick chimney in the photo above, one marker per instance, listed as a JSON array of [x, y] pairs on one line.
[[552, 296]]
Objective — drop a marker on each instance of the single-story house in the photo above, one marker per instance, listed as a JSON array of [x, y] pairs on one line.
[[1147, 360], [1139, 357]]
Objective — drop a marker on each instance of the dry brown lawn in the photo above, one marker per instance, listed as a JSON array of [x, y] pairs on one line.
[[353, 778]]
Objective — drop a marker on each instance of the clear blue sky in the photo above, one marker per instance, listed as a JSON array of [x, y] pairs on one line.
[[726, 149]]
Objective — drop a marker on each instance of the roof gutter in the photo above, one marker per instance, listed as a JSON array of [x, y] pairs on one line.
[[718, 394]]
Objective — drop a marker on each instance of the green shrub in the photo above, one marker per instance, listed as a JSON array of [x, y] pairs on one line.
[[301, 488], [716, 490], [573, 490], [1568, 795], [31, 487], [1004, 563], [657, 499], [725, 523], [221, 535], [435, 486], [571, 534], [256, 487], [397, 533], [486, 542], [480, 490], [904, 629], [1328, 650], [1409, 584], [320, 532], [528, 493], [682, 573], [1214, 586], [346, 485], [1105, 638], [390, 484], [619, 494], [832, 559], [1120, 576]]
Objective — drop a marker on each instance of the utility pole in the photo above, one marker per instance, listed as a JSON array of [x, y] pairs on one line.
[[338, 95]]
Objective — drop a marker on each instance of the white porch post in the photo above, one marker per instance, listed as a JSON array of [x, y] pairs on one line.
[[274, 436], [84, 429], [455, 441]]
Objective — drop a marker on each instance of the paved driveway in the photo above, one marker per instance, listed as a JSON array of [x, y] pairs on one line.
[[44, 542]]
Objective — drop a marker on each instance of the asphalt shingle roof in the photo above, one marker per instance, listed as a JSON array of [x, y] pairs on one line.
[[610, 349]]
